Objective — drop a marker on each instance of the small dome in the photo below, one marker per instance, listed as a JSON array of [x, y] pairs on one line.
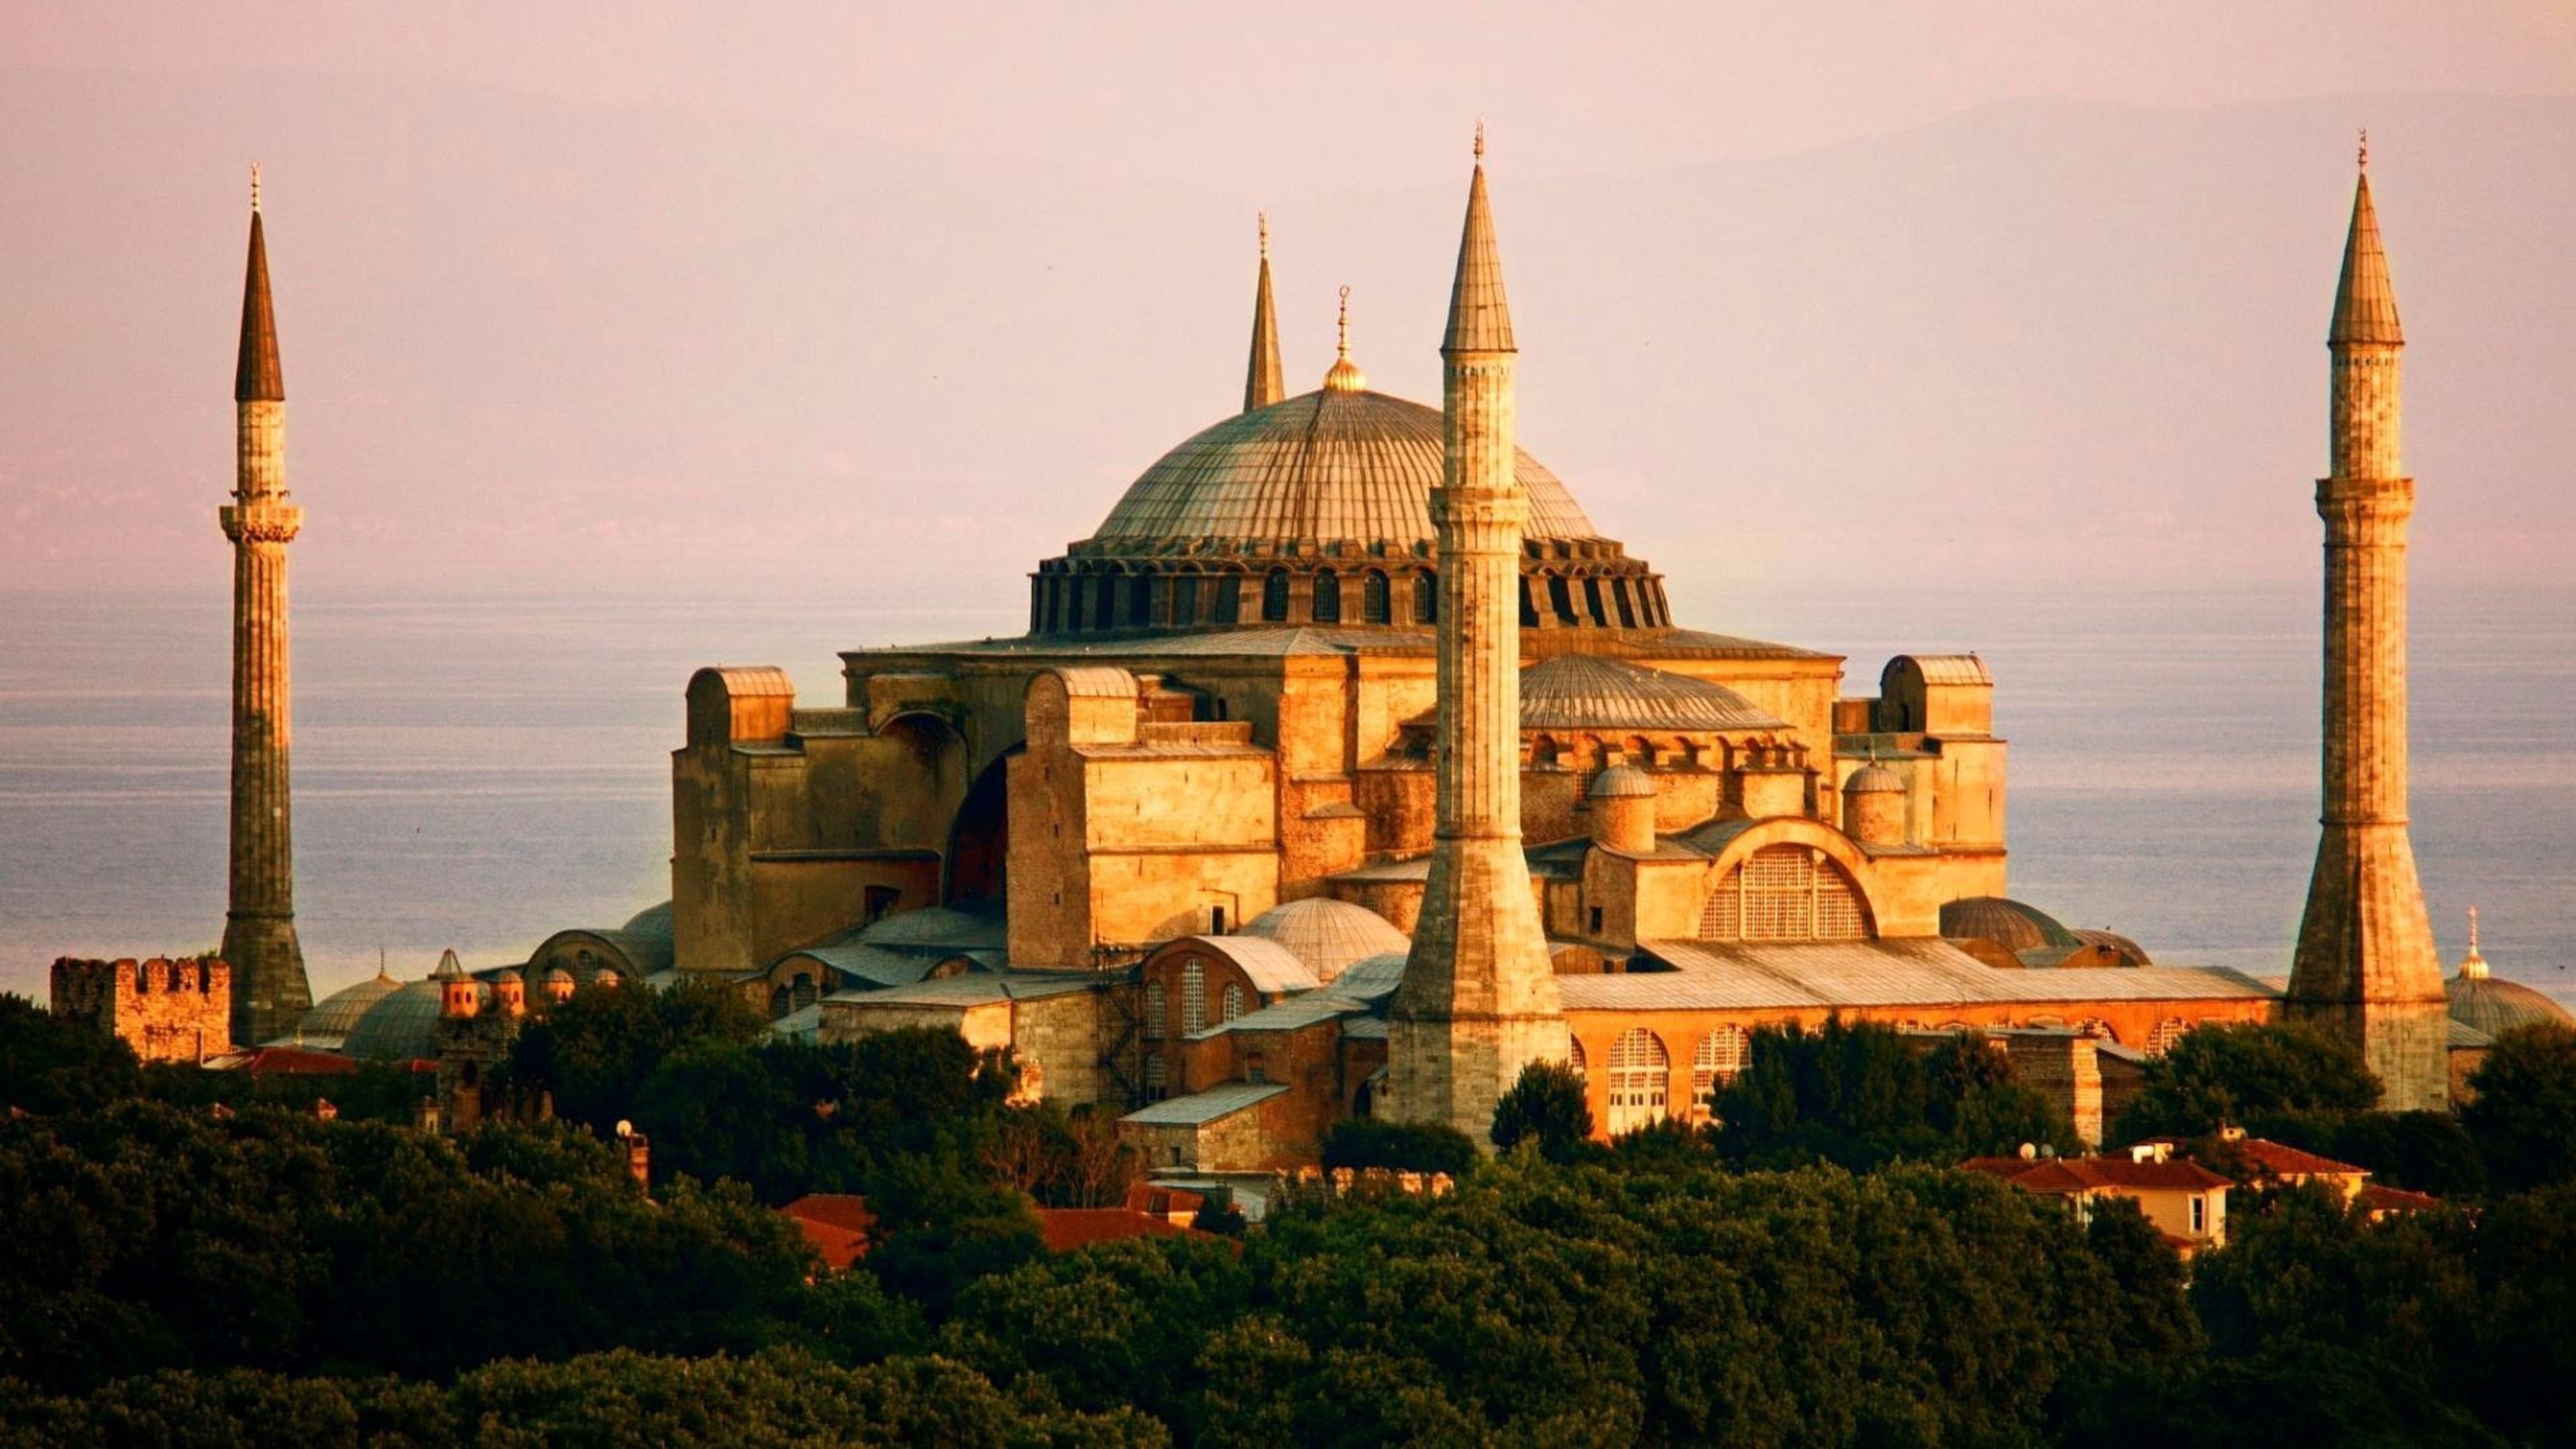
[[506, 975], [2008, 923], [1622, 782], [2494, 1005], [336, 1015], [1874, 779], [557, 975], [1326, 934]]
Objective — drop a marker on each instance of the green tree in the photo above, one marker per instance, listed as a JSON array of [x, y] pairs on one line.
[[2523, 1116], [2232, 1075], [1549, 1105], [51, 1064], [1366, 1142], [594, 1051]]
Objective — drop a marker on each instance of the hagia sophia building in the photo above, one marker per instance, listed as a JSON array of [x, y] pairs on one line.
[[1349, 766]]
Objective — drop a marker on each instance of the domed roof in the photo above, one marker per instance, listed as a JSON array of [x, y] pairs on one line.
[[1587, 691], [333, 1017], [1622, 782], [2008, 923], [1874, 779], [2495, 1006], [1334, 465], [1328, 935], [404, 1024]]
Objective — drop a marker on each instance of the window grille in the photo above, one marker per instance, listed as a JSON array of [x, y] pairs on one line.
[[1158, 1079], [1193, 997], [1720, 1056], [1374, 604], [1640, 1074], [1426, 599], [1157, 1008], [2167, 1032], [1274, 596], [1785, 893], [1233, 1001]]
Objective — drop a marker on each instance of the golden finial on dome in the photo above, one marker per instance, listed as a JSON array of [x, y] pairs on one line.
[[1345, 375], [2473, 966]]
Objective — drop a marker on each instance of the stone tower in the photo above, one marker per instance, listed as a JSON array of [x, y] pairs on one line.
[[2366, 967], [269, 991], [1262, 383], [1479, 999]]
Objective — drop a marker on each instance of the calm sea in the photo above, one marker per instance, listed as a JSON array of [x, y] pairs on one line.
[[477, 772]]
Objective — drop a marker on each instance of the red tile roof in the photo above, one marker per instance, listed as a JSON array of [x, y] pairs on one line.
[[291, 1061], [2070, 1175], [2277, 1159], [1065, 1229], [836, 1223], [2376, 1199], [1163, 1202]]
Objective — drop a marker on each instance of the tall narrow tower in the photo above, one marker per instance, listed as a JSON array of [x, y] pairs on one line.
[[269, 990], [2366, 967], [1262, 384], [1478, 1000]]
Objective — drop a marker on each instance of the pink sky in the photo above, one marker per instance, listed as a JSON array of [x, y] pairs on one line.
[[897, 298]]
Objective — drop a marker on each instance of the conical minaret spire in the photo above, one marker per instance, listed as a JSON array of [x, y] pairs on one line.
[[1479, 1000], [1262, 384], [2366, 968], [270, 993]]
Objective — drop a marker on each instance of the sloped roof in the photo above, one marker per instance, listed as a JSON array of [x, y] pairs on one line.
[[941, 928], [975, 989], [1064, 1230], [1271, 967], [1906, 972], [1200, 1108], [2365, 308]]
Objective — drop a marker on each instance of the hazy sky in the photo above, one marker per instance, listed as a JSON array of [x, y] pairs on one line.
[[890, 298]]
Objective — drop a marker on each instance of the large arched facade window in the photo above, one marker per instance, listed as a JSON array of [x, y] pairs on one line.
[[1193, 996], [1721, 1054], [1233, 1001], [1328, 597], [1785, 893], [1640, 1080], [1158, 1007], [1274, 597]]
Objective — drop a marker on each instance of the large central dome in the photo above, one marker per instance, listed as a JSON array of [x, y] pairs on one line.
[[1331, 466]]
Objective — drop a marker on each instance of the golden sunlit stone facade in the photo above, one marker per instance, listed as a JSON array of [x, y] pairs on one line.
[[1347, 654]]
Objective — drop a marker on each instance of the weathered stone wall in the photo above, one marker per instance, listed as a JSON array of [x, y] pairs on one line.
[[168, 1011]]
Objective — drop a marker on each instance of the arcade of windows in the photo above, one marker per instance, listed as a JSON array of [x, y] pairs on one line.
[[1147, 596]]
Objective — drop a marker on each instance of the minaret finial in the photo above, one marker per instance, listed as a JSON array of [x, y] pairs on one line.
[[2361, 155], [1344, 375], [1480, 140], [1263, 219], [1262, 384], [254, 186]]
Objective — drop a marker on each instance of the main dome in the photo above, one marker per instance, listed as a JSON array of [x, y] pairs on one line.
[[1330, 466]]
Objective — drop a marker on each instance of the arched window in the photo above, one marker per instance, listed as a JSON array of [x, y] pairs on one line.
[[1426, 598], [1233, 1000], [1592, 603], [2098, 1029], [1640, 1074], [1328, 597], [1274, 597], [1627, 604], [801, 994], [1158, 1079], [1229, 599], [1193, 996], [1140, 601], [1157, 1011], [1560, 600], [1785, 893], [778, 1000], [2166, 1033], [1185, 599], [1104, 602], [1375, 604], [1720, 1056], [1574, 1053]]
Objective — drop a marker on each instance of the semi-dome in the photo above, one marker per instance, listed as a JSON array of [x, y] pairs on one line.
[[1328, 935], [2011, 924], [330, 1020]]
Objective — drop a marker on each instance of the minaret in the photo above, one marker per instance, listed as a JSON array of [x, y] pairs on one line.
[[2366, 967], [269, 990], [1478, 1000], [1261, 383]]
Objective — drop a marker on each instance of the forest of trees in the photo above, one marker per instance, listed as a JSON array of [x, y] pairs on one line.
[[1809, 1272]]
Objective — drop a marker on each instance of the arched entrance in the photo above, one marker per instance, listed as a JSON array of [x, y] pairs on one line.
[[979, 844]]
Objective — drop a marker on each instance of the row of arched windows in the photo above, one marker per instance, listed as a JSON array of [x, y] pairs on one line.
[[1231, 1003], [1639, 1075], [1076, 603]]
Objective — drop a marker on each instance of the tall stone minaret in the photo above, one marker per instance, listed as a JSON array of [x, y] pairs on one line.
[[270, 994], [1262, 385], [2366, 967], [1479, 999]]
